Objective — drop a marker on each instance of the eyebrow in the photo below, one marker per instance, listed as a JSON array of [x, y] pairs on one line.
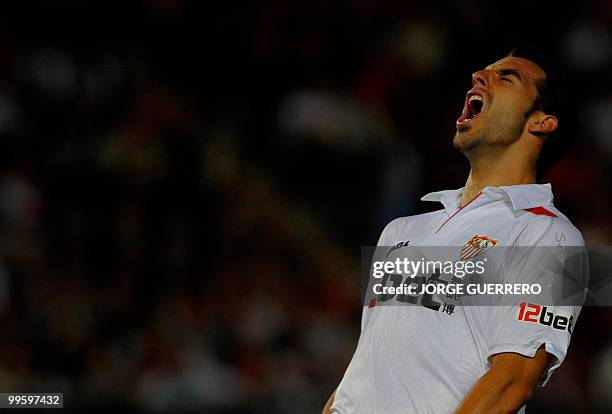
[[510, 72]]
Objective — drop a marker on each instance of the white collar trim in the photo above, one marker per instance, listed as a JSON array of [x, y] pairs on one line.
[[521, 196]]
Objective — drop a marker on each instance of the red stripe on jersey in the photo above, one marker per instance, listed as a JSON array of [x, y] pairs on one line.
[[541, 211]]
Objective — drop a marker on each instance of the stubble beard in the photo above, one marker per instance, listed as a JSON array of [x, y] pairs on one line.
[[466, 143], [489, 138]]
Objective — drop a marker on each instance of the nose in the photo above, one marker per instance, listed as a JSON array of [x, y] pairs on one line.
[[479, 78]]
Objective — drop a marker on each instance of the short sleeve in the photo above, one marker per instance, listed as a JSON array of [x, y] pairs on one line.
[[552, 256]]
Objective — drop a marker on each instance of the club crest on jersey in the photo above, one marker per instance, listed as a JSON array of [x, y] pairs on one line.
[[476, 245]]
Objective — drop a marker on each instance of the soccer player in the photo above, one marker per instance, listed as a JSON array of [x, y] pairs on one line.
[[417, 359]]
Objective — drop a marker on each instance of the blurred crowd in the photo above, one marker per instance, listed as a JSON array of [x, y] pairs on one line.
[[185, 187]]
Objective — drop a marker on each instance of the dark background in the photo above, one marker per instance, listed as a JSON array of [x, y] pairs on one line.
[[185, 187]]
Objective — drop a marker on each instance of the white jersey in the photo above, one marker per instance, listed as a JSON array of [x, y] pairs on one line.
[[419, 360]]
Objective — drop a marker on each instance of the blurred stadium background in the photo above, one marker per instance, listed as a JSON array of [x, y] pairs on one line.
[[183, 183]]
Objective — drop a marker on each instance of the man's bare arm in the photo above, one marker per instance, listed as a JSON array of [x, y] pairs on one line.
[[508, 385], [327, 408]]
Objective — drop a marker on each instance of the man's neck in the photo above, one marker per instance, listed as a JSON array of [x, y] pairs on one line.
[[495, 173]]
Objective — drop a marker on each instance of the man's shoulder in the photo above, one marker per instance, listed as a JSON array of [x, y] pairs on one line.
[[401, 224], [547, 226], [415, 218]]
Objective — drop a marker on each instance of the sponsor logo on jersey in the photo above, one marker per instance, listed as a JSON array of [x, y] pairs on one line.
[[476, 245], [558, 319]]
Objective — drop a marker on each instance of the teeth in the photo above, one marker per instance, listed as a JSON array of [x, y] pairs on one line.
[[475, 98]]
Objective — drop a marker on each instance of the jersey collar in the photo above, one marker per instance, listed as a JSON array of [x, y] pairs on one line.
[[521, 196], [449, 198]]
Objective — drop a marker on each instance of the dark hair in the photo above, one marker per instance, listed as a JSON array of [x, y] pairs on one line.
[[552, 100]]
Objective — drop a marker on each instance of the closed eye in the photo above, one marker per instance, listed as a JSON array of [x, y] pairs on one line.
[[506, 74]]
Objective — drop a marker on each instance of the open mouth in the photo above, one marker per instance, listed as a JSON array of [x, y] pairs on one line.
[[474, 106]]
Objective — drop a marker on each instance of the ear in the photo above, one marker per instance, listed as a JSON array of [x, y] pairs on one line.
[[542, 124]]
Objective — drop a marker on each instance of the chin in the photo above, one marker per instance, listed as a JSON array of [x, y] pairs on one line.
[[463, 140]]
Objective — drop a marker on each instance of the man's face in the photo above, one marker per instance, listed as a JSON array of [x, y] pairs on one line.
[[495, 107]]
